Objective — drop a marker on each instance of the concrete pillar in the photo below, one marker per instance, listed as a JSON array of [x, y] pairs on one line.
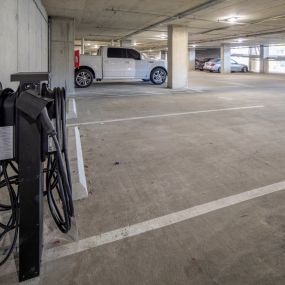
[[82, 46], [225, 58], [192, 58], [264, 64], [158, 55], [126, 43], [250, 62], [163, 55], [62, 53], [177, 57]]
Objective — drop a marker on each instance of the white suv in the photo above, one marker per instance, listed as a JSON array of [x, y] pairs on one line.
[[119, 63]]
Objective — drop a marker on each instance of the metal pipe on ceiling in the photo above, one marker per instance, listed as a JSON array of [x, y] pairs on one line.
[[200, 7]]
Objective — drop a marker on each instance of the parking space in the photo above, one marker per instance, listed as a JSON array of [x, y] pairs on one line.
[[143, 143], [192, 150]]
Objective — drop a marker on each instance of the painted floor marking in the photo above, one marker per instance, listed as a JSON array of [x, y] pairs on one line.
[[149, 225], [160, 222], [164, 115], [226, 98]]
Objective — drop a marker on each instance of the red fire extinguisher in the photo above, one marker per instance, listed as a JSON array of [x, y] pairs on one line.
[[76, 59]]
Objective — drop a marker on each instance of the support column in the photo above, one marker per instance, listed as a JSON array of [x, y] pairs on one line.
[[126, 43], [225, 58], [264, 64], [163, 55], [250, 63], [62, 53], [177, 57], [192, 58], [82, 46]]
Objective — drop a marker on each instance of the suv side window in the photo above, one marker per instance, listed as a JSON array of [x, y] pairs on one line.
[[116, 53], [131, 53]]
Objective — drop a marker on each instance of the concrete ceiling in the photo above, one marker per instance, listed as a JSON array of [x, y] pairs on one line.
[[145, 21]]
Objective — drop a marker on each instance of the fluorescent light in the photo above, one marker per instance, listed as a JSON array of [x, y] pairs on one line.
[[134, 43], [163, 36], [231, 20], [194, 46], [240, 40], [88, 44]]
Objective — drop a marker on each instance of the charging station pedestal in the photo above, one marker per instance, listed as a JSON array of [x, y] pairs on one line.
[[29, 158]]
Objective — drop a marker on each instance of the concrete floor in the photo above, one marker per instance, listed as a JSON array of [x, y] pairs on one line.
[[168, 164]]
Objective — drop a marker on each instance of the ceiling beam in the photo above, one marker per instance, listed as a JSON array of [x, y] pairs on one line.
[[180, 15], [250, 35]]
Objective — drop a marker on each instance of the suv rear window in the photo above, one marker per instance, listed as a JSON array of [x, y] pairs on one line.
[[117, 53], [131, 53]]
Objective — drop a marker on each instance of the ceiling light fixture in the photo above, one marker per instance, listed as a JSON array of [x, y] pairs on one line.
[[231, 20]]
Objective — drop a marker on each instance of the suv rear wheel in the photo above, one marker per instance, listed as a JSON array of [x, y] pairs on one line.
[[83, 78], [158, 75]]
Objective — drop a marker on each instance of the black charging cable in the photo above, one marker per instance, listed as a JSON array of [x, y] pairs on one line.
[[57, 171], [12, 208], [57, 178]]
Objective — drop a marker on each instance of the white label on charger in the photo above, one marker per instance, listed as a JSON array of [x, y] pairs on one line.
[[6, 143]]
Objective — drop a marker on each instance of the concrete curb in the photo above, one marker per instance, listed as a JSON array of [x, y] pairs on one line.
[[79, 184], [71, 109]]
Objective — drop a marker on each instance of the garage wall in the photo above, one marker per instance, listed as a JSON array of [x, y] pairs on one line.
[[206, 53], [23, 38]]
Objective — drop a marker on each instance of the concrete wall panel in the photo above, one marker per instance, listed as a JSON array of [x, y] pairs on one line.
[[8, 40], [23, 38]]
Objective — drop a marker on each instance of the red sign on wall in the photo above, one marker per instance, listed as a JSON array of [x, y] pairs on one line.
[[76, 58]]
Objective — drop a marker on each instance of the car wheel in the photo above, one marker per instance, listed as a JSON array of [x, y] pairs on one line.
[[244, 69], [158, 75], [83, 78]]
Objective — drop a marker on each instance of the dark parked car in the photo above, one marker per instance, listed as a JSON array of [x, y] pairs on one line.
[[199, 63]]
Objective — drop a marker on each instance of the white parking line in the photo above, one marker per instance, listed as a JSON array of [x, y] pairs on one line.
[[158, 223], [164, 115], [149, 225], [226, 98]]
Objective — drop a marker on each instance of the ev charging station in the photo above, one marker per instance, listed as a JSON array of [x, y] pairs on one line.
[[33, 165]]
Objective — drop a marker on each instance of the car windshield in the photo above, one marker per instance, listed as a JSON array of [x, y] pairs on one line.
[[215, 60]]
